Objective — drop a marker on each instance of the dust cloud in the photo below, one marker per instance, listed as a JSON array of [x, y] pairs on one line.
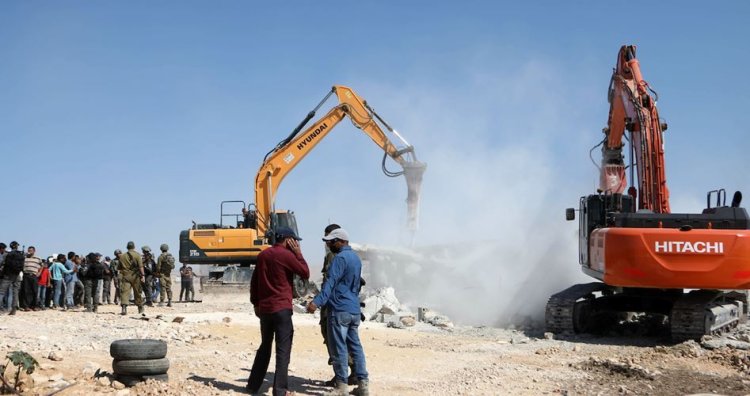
[[493, 243]]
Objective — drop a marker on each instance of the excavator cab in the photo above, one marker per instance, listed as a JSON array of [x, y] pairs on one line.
[[279, 218]]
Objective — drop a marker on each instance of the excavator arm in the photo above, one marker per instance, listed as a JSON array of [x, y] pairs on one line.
[[633, 109], [290, 151]]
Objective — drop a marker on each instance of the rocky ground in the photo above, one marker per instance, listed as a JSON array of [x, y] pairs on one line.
[[212, 346]]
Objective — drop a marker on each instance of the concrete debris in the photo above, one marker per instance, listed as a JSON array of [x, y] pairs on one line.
[[429, 316], [381, 305], [384, 297]]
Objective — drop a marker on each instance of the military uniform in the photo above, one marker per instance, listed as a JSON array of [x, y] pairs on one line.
[[115, 268], [164, 266], [131, 270], [149, 266]]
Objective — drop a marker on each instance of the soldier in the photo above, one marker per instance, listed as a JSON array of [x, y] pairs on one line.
[[164, 267], [107, 281], [149, 266], [114, 267], [131, 276]]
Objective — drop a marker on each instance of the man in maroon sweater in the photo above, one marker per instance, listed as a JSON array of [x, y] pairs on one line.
[[271, 295]]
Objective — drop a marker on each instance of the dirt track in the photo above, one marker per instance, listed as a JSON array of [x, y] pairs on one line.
[[212, 349]]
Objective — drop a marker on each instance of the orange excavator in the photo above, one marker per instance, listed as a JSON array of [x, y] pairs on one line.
[[690, 269]]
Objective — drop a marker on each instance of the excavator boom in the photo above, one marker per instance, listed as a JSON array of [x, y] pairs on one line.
[[290, 151], [633, 109], [643, 255]]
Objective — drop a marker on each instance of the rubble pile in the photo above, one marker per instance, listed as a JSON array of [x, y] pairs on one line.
[[689, 349], [381, 305], [626, 367]]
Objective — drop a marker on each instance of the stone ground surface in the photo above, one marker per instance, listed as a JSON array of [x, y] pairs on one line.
[[212, 348]]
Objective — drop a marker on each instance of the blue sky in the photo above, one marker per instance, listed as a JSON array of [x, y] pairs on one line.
[[126, 120]]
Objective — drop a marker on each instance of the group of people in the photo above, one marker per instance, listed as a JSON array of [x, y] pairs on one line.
[[271, 297], [29, 283]]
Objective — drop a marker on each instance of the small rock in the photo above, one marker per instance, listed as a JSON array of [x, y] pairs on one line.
[[104, 381], [549, 336], [90, 369], [178, 319], [54, 356], [408, 321], [118, 385], [123, 392], [226, 319], [58, 384], [39, 379]]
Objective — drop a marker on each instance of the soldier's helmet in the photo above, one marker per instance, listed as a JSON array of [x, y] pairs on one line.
[[131, 245], [118, 252], [164, 247], [146, 249], [13, 245]]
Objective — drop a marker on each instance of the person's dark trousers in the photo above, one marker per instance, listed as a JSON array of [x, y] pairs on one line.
[[90, 299], [278, 324], [30, 284]]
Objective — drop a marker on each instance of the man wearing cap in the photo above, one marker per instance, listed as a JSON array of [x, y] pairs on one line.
[[340, 294], [131, 276], [271, 296]]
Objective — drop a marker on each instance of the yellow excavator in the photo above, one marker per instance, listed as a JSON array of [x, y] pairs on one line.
[[231, 249]]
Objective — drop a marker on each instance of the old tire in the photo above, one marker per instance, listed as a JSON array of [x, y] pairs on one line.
[[132, 380], [134, 349], [141, 367]]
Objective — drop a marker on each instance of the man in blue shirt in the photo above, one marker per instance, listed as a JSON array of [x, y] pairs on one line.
[[340, 295], [70, 280]]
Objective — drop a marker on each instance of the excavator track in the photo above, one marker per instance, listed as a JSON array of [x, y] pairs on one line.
[[692, 315], [564, 313], [702, 312]]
